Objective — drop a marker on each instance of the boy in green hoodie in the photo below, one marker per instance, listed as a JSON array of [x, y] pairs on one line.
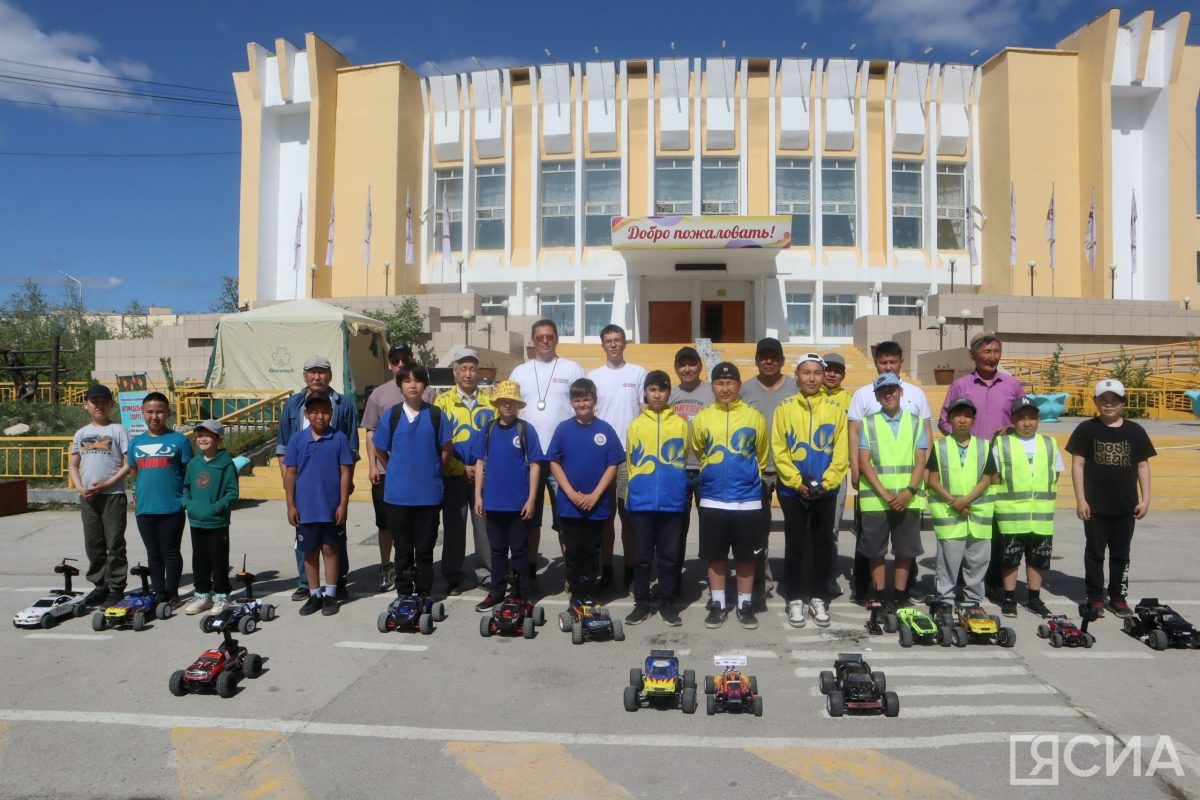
[[209, 488]]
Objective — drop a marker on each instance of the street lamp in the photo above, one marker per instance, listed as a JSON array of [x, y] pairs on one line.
[[1112, 268], [953, 263], [877, 290], [467, 315], [489, 319], [78, 283], [537, 291], [1032, 271], [1187, 302], [387, 266], [941, 326], [966, 315], [920, 312], [504, 305], [312, 280]]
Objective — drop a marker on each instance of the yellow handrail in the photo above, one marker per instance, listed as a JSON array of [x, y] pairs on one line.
[[251, 425], [69, 392], [196, 404], [35, 456]]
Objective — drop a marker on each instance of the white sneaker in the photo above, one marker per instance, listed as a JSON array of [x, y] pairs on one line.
[[220, 603], [819, 614], [198, 604], [797, 617]]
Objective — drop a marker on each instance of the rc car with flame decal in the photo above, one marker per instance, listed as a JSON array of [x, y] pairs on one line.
[[219, 670], [968, 623], [732, 690], [661, 685], [134, 608], [411, 612], [1160, 626], [586, 619], [60, 603], [852, 686], [513, 615], [244, 616]]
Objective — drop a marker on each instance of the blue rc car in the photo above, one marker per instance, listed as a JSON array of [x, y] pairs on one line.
[[411, 612], [661, 684], [134, 608], [244, 616]]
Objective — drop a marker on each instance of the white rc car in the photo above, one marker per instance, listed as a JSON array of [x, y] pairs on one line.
[[45, 613]]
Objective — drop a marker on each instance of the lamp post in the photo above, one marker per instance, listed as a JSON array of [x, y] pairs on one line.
[[387, 266], [537, 292], [467, 316], [920, 312], [941, 321], [1112, 268], [953, 264], [504, 305], [966, 315], [1032, 271], [488, 327], [1187, 302], [460, 276], [312, 280], [78, 283], [877, 290]]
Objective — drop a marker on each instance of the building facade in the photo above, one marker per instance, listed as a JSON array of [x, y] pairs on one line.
[[889, 182]]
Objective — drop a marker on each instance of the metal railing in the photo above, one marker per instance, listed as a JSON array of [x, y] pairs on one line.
[[1166, 360], [196, 404], [35, 456], [69, 392], [250, 425]]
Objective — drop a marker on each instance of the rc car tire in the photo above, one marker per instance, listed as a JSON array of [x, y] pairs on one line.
[[1088, 640], [1056, 639], [890, 623], [631, 698], [576, 632], [710, 704], [485, 625], [636, 679], [381, 622], [757, 706], [48, 621], [906, 636], [826, 681], [565, 620], [162, 611], [891, 704], [252, 666], [687, 700], [206, 623], [689, 679], [439, 612], [98, 621], [880, 681], [80, 609], [710, 685], [139, 621], [1043, 631], [268, 612], [529, 628], [539, 616], [426, 624], [247, 624], [958, 636], [753, 684], [1006, 637], [1131, 626], [175, 684], [835, 704], [1158, 639], [618, 631], [226, 684]]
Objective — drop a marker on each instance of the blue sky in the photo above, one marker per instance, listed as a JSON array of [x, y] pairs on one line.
[[161, 228]]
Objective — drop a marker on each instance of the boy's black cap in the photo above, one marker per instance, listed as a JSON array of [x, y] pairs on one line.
[[98, 390], [961, 402], [658, 378], [726, 370], [687, 354], [1022, 403]]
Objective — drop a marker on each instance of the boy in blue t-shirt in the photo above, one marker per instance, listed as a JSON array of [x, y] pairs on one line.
[[583, 456], [412, 485], [318, 470], [158, 459], [507, 453]]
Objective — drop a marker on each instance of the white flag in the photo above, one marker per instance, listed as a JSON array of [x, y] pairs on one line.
[[1089, 236], [329, 238], [299, 226], [1133, 233], [445, 226], [409, 258], [367, 233], [972, 249], [1050, 226], [1012, 226]]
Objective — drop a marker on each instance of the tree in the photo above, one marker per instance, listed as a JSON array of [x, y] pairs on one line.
[[28, 321], [135, 323], [406, 325], [228, 302]]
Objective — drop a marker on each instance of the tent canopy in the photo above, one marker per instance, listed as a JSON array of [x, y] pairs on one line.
[[266, 348]]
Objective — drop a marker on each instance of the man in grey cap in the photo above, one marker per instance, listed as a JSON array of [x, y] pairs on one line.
[[317, 376]]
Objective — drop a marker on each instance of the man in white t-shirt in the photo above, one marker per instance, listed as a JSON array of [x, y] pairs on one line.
[[619, 387], [545, 382]]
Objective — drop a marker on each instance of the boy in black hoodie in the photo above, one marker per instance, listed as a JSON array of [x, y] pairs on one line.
[[209, 488]]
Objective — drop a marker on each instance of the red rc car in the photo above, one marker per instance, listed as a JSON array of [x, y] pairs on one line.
[[220, 669]]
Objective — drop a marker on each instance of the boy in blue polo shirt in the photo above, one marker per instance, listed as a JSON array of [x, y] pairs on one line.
[[318, 471], [583, 456]]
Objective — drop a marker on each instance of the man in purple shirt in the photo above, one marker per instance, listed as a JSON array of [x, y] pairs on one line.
[[992, 391]]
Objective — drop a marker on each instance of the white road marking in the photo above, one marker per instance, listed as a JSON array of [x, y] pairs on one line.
[[400, 732], [1077, 653], [939, 654], [940, 712], [930, 671], [83, 637], [406, 648], [942, 690], [844, 636]]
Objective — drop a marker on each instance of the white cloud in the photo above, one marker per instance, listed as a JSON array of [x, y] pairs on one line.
[[452, 66], [22, 40]]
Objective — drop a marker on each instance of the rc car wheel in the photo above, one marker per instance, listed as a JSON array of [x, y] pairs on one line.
[[565, 620], [1158, 639], [753, 684], [439, 612], [1006, 637], [175, 684], [631, 698], [618, 631], [15, 625], [689, 679], [1056, 639], [539, 616], [958, 636], [162, 611], [687, 700], [226, 684], [1088, 640], [757, 706], [98, 621], [710, 685], [80, 609], [426, 624], [636, 679], [906, 636], [139, 621], [529, 628], [247, 624], [268, 612], [1131, 626], [891, 704], [826, 681], [485, 625], [890, 623], [835, 704], [710, 705], [207, 623], [48, 620], [381, 622], [1043, 631], [880, 681], [576, 633], [252, 666]]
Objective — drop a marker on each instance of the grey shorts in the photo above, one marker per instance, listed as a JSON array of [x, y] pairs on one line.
[[903, 528]]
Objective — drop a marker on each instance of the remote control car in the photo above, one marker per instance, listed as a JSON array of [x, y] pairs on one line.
[[1062, 632], [244, 616], [880, 621], [133, 608], [1160, 626], [587, 619], [852, 686], [217, 670], [661, 685], [915, 626], [970, 623], [732, 690], [411, 612], [513, 615], [64, 602]]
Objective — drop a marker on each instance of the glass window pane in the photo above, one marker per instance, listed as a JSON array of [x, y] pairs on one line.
[[558, 204], [838, 312], [561, 309], [799, 314], [602, 201], [951, 206], [448, 182], [489, 208], [673, 186], [597, 312], [839, 208], [719, 186]]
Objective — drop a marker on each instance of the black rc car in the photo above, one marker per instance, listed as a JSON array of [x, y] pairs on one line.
[[244, 616], [513, 615], [1160, 626], [661, 685], [852, 686], [411, 612]]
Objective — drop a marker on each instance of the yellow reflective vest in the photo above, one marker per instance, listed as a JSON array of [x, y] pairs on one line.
[[893, 455], [1024, 499], [960, 476]]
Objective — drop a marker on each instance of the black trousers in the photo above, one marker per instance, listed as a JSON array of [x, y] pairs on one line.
[[807, 524], [1114, 533], [162, 534], [581, 551], [210, 560], [414, 533], [508, 537], [657, 534]]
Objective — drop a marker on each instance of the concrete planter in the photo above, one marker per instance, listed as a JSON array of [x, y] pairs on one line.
[[14, 497], [1050, 406]]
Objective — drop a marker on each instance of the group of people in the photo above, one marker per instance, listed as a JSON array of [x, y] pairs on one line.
[[620, 445]]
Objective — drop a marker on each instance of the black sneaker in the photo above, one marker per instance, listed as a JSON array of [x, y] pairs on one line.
[[639, 614], [1119, 607], [453, 589], [96, 596], [1008, 607], [342, 592], [301, 593], [1036, 606], [745, 616], [670, 615], [488, 602], [314, 604], [716, 616], [329, 605]]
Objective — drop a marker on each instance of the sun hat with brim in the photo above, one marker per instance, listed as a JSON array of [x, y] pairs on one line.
[[507, 390]]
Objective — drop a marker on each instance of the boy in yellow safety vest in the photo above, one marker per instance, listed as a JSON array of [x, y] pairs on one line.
[[959, 472], [1029, 464]]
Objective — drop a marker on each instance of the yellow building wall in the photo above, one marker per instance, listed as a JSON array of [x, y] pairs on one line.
[[323, 65], [519, 170], [246, 85], [759, 157], [875, 150], [636, 153], [1185, 220]]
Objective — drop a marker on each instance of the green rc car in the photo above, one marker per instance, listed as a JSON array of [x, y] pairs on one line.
[[915, 626]]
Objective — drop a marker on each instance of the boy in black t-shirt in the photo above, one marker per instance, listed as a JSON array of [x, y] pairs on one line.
[[1110, 469]]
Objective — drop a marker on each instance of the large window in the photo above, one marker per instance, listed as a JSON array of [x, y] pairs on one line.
[[448, 183], [951, 206], [597, 312], [906, 204], [719, 186], [494, 304], [799, 313], [905, 305], [558, 204], [837, 315], [561, 309], [673, 186], [602, 201], [489, 207], [793, 196], [839, 208]]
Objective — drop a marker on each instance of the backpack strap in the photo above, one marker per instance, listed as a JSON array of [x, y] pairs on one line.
[[435, 416], [522, 427]]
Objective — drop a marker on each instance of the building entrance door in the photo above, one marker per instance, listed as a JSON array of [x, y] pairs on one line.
[[670, 321], [723, 320]]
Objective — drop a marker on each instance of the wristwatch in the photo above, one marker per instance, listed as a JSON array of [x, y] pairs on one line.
[[913, 490]]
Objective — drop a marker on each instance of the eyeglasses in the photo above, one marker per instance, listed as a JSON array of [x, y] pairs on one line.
[[545, 337]]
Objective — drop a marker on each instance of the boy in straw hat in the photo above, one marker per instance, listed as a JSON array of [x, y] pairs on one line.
[[507, 479]]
